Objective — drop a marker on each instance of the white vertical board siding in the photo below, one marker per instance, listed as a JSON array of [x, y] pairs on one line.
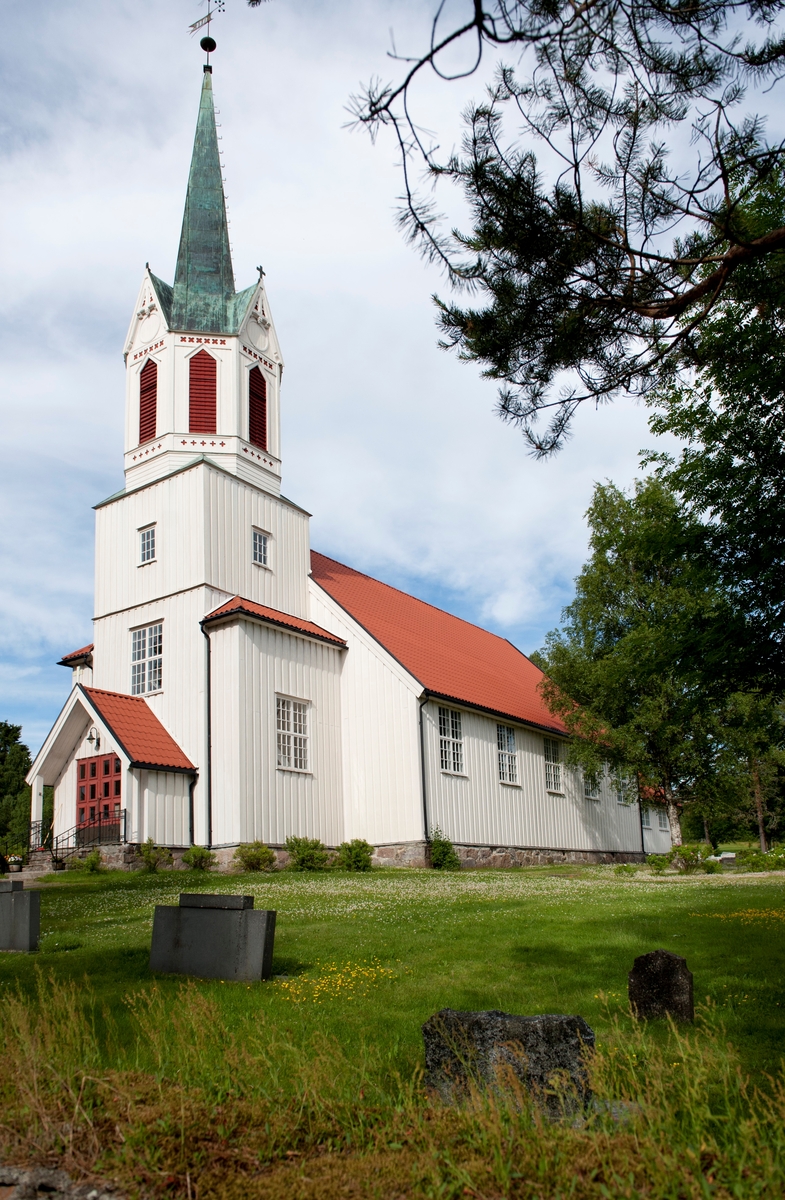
[[234, 509], [477, 809], [656, 840], [252, 797], [164, 807], [381, 748], [120, 580]]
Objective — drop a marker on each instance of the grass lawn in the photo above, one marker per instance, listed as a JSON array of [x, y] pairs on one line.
[[527, 941], [365, 959]]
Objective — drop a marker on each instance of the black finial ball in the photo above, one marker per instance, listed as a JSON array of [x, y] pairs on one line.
[[208, 44]]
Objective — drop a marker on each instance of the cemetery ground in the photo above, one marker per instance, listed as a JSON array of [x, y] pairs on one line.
[[310, 1085]]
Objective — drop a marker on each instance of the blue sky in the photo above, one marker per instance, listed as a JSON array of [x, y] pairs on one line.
[[391, 443]]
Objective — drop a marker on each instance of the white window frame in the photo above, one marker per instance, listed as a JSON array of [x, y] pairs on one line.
[[645, 818], [554, 776], [292, 735], [663, 823], [147, 545], [592, 784], [147, 657], [451, 741], [260, 537], [507, 751], [620, 787]]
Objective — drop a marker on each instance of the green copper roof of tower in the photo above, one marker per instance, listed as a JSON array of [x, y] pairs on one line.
[[203, 297]]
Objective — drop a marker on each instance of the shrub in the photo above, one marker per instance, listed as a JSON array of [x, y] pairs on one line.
[[154, 856], [199, 858], [354, 855], [306, 854], [756, 860], [657, 863], [443, 856], [712, 867], [91, 862], [254, 856], [625, 869], [689, 858]]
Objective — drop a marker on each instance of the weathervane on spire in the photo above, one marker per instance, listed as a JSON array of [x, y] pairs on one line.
[[208, 43]]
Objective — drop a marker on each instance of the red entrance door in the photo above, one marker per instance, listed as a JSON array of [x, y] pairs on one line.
[[98, 790]]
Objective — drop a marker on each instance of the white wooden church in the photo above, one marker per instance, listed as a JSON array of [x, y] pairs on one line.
[[240, 686]]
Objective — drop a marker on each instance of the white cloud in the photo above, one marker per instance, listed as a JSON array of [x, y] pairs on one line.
[[391, 443]]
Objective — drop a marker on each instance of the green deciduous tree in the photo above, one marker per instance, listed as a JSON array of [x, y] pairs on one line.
[[14, 792], [623, 668]]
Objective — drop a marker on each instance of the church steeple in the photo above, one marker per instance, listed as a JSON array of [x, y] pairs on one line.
[[204, 280]]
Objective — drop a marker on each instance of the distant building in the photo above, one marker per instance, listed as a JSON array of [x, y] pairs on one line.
[[240, 687]]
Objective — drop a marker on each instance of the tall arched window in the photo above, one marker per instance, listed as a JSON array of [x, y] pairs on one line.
[[148, 396], [201, 393], [257, 408]]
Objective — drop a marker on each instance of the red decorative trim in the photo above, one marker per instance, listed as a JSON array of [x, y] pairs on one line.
[[151, 450], [141, 353], [259, 357], [205, 341]]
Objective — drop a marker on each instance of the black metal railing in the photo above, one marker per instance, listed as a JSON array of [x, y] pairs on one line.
[[101, 831]]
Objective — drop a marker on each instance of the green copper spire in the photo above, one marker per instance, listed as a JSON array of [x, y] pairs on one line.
[[204, 295]]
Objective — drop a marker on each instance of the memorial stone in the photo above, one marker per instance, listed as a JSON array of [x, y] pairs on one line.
[[546, 1054], [660, 985], [20, 916], [213, 937]]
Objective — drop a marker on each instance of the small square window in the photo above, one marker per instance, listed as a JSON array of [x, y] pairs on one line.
[[81, 793], [82, 770], [107, 766], [260, 548], [117, 766], [117, 787], [662, 820], [92, 812], [81, 816], [147, 544], [92, 791], [92, 770], [646, 818], [106, 811], [591, 785]]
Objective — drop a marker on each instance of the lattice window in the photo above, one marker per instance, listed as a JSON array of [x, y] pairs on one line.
[[450, 741], [553, 769], [591, 785], [147, 544], [292, 733], [646, 818], [202, 393], [621, 788], [257, 408], [148, 400], [260, 547], [147, 659], [662, 820], [508, 757]]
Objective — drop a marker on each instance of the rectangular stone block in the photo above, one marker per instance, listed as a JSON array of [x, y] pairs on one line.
[[11, 885], [20, 920], [214, 900], [213, 943]]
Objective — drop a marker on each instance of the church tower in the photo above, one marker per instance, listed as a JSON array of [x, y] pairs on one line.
[[203, 364]]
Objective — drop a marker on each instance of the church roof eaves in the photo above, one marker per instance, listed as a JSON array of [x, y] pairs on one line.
[[241, 608], [76, 656], [194, 462], [450, 658]]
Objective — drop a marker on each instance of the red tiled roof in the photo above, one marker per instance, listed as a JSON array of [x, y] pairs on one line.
[[67, 659], [237, 606], [448, 656], [138, 730]]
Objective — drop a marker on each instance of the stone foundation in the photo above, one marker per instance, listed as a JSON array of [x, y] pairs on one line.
[[514, 856], [402, 854]]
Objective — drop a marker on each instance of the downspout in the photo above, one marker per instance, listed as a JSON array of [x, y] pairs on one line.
[[191, 787], [209, 779], [426, 828]]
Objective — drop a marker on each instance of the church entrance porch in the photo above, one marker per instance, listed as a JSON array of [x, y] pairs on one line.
[[98, 798]]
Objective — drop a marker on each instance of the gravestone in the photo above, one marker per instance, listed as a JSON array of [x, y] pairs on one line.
[[20, 916], [660, 985], [545, 1054], [213, 937]]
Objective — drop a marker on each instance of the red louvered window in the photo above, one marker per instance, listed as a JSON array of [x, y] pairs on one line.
[[257, 408], [148, 396], [201, 393]]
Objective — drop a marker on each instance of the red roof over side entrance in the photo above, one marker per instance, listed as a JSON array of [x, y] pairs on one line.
[[139, 731], [449, 657]]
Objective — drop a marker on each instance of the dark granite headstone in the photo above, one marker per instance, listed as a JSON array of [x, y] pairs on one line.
[[660, 985], [11, 885], [546, 1054], [213, 937], [20, 917]]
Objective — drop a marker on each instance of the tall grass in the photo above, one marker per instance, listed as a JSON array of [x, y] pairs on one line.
[[184, 1107]]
